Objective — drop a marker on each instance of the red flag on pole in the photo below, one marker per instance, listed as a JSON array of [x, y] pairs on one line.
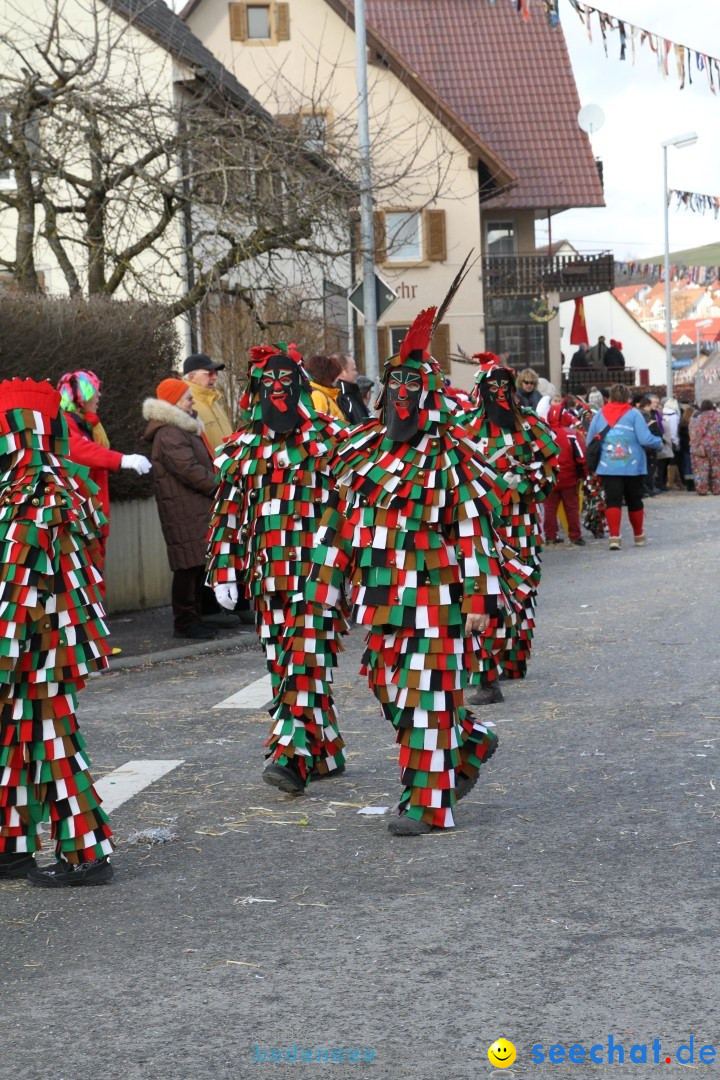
[[578, 334]]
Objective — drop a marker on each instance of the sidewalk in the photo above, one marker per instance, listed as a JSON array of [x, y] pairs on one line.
[[146, 637]]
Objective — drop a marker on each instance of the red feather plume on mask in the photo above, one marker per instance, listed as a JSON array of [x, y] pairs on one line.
[[261, 353], [486, 359], [418, 336]]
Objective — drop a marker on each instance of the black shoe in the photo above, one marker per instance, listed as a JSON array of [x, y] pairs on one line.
[[486, 695], [579, 542], [197, 632], [222, 620], [464, 784], [284, 777], [408, 826], [328, 775], [63, 874], [16, 866], [247, 618]]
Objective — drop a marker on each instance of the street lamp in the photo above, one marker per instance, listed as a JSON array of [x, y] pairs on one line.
[[698, 327], [679, 141]]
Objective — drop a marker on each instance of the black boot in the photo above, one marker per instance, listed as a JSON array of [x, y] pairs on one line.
[[63, 874], [285, 777], [408, 826], [16, 865]]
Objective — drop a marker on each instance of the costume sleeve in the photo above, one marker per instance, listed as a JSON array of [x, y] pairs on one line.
[[332, 557], [644, 435], [226, 558], [84, 451], [537, 478]]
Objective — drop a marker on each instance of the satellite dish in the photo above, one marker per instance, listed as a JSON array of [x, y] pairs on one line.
[[591, 118]]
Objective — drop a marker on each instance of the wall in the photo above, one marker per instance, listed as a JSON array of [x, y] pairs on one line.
[[137, 574]]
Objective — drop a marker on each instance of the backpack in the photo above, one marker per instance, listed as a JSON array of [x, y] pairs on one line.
[[593, 450]]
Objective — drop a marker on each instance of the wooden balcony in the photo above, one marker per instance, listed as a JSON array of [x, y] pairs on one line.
[[532, 275], [601, 377]]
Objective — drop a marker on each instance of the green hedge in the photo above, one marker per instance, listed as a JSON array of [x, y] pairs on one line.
[[131, 346]]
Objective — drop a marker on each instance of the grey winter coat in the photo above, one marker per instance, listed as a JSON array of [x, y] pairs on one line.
[[183, 479]]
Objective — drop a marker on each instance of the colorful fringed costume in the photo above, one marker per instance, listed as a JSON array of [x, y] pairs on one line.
[[408, 538], [274, 486], [52, 634], [515, 442]]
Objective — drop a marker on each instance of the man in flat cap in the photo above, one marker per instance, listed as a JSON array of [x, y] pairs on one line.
[[201, 372]]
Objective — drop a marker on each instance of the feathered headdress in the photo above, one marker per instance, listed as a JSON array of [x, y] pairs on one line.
[[259, 356]]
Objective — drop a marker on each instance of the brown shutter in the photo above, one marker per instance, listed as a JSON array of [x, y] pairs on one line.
[[436, 246], [383, 337], [441, 347], [380, 241], [238, 22], [282, 22], [359, 353]]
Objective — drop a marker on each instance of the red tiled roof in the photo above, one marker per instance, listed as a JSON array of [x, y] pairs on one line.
[[624, 293], [510, 81]]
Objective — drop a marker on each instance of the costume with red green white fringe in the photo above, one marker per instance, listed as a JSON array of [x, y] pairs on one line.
[[273, 491], [52, 633], [525, 449], [408, 538]]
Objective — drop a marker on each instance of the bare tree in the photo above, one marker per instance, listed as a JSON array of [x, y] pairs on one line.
[[139, 172]]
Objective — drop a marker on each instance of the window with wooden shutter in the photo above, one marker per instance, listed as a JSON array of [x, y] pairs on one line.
[[380, 241], [440, 347], [282, 22], [238, 22], [383, 340], [435, 233]]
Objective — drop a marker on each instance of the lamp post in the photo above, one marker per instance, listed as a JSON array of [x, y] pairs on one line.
[[367, 228], [679, 141], [698, 327]]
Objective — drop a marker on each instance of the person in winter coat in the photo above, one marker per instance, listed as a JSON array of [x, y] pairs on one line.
[[623, 463], [685, 458], [185, 484], [201, 373], [571, 469], [350, 398], [89, 445], [705, 449], [650, 417], [324, 372], [527, 389], [579, 359], [613, 357]]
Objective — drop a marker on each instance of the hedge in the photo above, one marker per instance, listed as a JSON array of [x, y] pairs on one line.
[[131, 346]]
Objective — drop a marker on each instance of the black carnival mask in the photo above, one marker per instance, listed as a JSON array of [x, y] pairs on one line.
[[402, 402], [497, 394], [280, 393]]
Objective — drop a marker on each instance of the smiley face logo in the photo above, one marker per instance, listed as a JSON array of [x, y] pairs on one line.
[[502, 1053]]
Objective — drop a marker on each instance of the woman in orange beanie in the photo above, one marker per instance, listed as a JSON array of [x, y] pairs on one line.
[[184, 482]]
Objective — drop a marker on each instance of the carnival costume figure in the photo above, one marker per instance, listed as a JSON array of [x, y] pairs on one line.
[[275, 483], [52, 636], [515, 442], [408, 537]]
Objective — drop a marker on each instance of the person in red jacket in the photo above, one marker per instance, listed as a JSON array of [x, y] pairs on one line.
[[571, 471], [89, 445]]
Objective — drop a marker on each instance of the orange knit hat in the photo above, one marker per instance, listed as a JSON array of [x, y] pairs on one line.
[[171, 390]]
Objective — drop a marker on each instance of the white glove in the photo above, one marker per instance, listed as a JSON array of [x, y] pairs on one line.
[[511, 479], [138, 462], [226, 595]]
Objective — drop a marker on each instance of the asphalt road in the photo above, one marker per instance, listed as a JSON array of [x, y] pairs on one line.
[[576, 900]]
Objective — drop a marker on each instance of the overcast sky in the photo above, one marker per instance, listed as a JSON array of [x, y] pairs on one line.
[[641, 109]]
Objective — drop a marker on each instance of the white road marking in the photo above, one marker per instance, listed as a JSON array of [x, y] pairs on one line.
[[121, 784], [256, 695]]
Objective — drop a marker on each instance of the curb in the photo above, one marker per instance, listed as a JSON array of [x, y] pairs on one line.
[[183, 652]]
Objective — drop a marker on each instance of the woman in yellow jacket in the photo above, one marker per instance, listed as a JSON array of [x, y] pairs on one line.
[[324, 371]]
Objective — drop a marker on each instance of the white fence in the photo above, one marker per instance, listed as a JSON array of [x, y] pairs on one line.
[[137, 574]]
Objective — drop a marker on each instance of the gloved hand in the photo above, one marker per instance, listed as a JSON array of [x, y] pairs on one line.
[[226, 595], [511, 479], [138, 462]]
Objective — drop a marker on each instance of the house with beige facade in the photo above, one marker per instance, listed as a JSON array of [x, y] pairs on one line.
[[475, 136]]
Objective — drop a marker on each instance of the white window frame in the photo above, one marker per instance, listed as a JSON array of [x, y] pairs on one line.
[[394, 258]]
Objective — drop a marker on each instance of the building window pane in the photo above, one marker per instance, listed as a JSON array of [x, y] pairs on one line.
[[404, 236], [314, 127], [6, 176], [258, 22], [500, 237], [397, 336]]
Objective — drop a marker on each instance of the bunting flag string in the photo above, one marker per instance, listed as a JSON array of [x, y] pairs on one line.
[[694, 200], [686, 59], [627, 272]]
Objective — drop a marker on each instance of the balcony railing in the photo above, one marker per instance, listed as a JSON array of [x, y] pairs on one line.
[[533, 275], [601, 377]]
